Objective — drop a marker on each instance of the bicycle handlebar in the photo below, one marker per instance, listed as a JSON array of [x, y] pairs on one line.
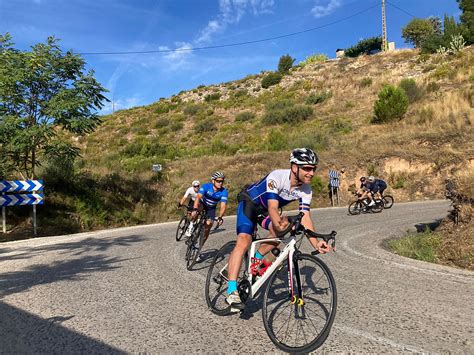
[[297, 228]]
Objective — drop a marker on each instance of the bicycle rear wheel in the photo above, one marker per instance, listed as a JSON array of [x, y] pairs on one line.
[[388, 201], [378, 207], [300, 324], [195, 246], [182, 226], [355, 208], [217, 277]]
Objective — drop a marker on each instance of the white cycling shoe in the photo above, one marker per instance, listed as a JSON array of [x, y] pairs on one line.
[[234, 301]]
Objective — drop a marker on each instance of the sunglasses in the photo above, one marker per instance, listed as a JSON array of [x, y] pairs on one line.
[[219, 181], [195, 185], [308, 168]]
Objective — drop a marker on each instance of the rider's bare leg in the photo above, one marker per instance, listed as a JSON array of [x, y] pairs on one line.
[[235, 260]]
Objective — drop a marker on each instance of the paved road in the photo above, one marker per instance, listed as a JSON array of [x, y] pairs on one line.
[[127, 290]]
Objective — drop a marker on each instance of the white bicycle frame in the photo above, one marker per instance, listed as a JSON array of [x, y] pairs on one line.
[[287, 252]]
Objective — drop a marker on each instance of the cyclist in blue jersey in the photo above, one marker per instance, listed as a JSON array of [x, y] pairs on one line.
[[264, 198], [208, 197]]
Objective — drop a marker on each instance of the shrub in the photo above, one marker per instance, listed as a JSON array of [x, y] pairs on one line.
[[432, 86], [212, 97], [279, 104], [207, 125], [365, 46], [318, 97], [277, 141], [292, 114], [193, 109], [245, 116], [341, 125], [285, 64], [162, 122], [271, 79], [315, 58], [365, 82], [413, 92], [317, 184], [392, 104], [240, 93]]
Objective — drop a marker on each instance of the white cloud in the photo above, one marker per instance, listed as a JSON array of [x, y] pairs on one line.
[[231, 12], [325, 7]]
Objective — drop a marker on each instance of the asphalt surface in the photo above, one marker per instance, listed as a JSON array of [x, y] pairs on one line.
[[127, 291]]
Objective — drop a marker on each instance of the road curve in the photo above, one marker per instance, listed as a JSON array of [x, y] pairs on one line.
[[127, 290]]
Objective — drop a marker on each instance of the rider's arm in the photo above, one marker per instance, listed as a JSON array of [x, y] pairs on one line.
[[196, 201], [184, 198], [224, 197], [275, 217], [319, 245]]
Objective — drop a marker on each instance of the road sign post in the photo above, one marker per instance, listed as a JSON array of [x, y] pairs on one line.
[[21, 199]]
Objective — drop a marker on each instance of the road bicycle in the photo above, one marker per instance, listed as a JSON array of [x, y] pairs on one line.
[[362, 205], [183, 223], [300, 299], [196, 240]]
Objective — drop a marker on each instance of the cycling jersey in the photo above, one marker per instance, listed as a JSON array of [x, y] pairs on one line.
[[190, 192], [378, 185], [211, 198], [274, 186]]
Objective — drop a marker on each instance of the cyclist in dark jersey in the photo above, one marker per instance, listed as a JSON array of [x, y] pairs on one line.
[[208, 197], [275, 190]]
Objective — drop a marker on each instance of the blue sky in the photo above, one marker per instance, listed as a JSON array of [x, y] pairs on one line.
[[87, 26]]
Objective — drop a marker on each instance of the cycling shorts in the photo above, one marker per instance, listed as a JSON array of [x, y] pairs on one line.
[[210, 212], [248, 216]]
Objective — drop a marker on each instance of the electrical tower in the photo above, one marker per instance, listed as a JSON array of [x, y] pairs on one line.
[[384, 29]]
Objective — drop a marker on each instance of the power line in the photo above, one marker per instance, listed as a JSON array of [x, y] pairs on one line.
[[234, 44], [400, 9]]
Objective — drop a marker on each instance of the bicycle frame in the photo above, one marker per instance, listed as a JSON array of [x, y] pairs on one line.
[[287, 252]]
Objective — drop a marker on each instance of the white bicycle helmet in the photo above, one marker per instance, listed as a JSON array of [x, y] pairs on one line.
[[303, 156], [196, 183], [217, 175], [371, 179]]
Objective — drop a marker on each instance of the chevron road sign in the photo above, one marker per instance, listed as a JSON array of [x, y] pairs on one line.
[[20, 200], [21, 185]]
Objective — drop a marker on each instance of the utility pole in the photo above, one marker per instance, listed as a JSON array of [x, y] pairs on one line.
[[384, 29]]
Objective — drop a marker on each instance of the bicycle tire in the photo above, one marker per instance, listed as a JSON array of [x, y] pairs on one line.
[[216, 284], [320, 289], [378, 207], [182, 226], [388, 201], [198, 237], [355, 208]]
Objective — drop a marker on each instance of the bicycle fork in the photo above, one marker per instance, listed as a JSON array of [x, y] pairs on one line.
[[295, 291]]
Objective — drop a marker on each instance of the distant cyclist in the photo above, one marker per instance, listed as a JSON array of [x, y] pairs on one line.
[[208, 197], [377, 186], [191, 192], [265, 197]]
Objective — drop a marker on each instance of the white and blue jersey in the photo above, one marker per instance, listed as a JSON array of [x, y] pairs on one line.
[[274, 186], [211, 198]]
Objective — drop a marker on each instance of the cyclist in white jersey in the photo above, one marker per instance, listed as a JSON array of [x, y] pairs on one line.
[[192, 192], [275, 190]]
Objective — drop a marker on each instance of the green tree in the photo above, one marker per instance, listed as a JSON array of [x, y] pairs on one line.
[[364, 46], [417, 31], [392, 104], [437, 25], [285, 63], [467, 19], [42, 92]]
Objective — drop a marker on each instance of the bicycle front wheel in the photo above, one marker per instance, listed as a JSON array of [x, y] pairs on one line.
[[300, 321], [182, 226], [216, 280], [355, 208], [195, 246], [388, 201]]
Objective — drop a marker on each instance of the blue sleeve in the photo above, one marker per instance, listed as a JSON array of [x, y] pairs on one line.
[[225, 195]]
